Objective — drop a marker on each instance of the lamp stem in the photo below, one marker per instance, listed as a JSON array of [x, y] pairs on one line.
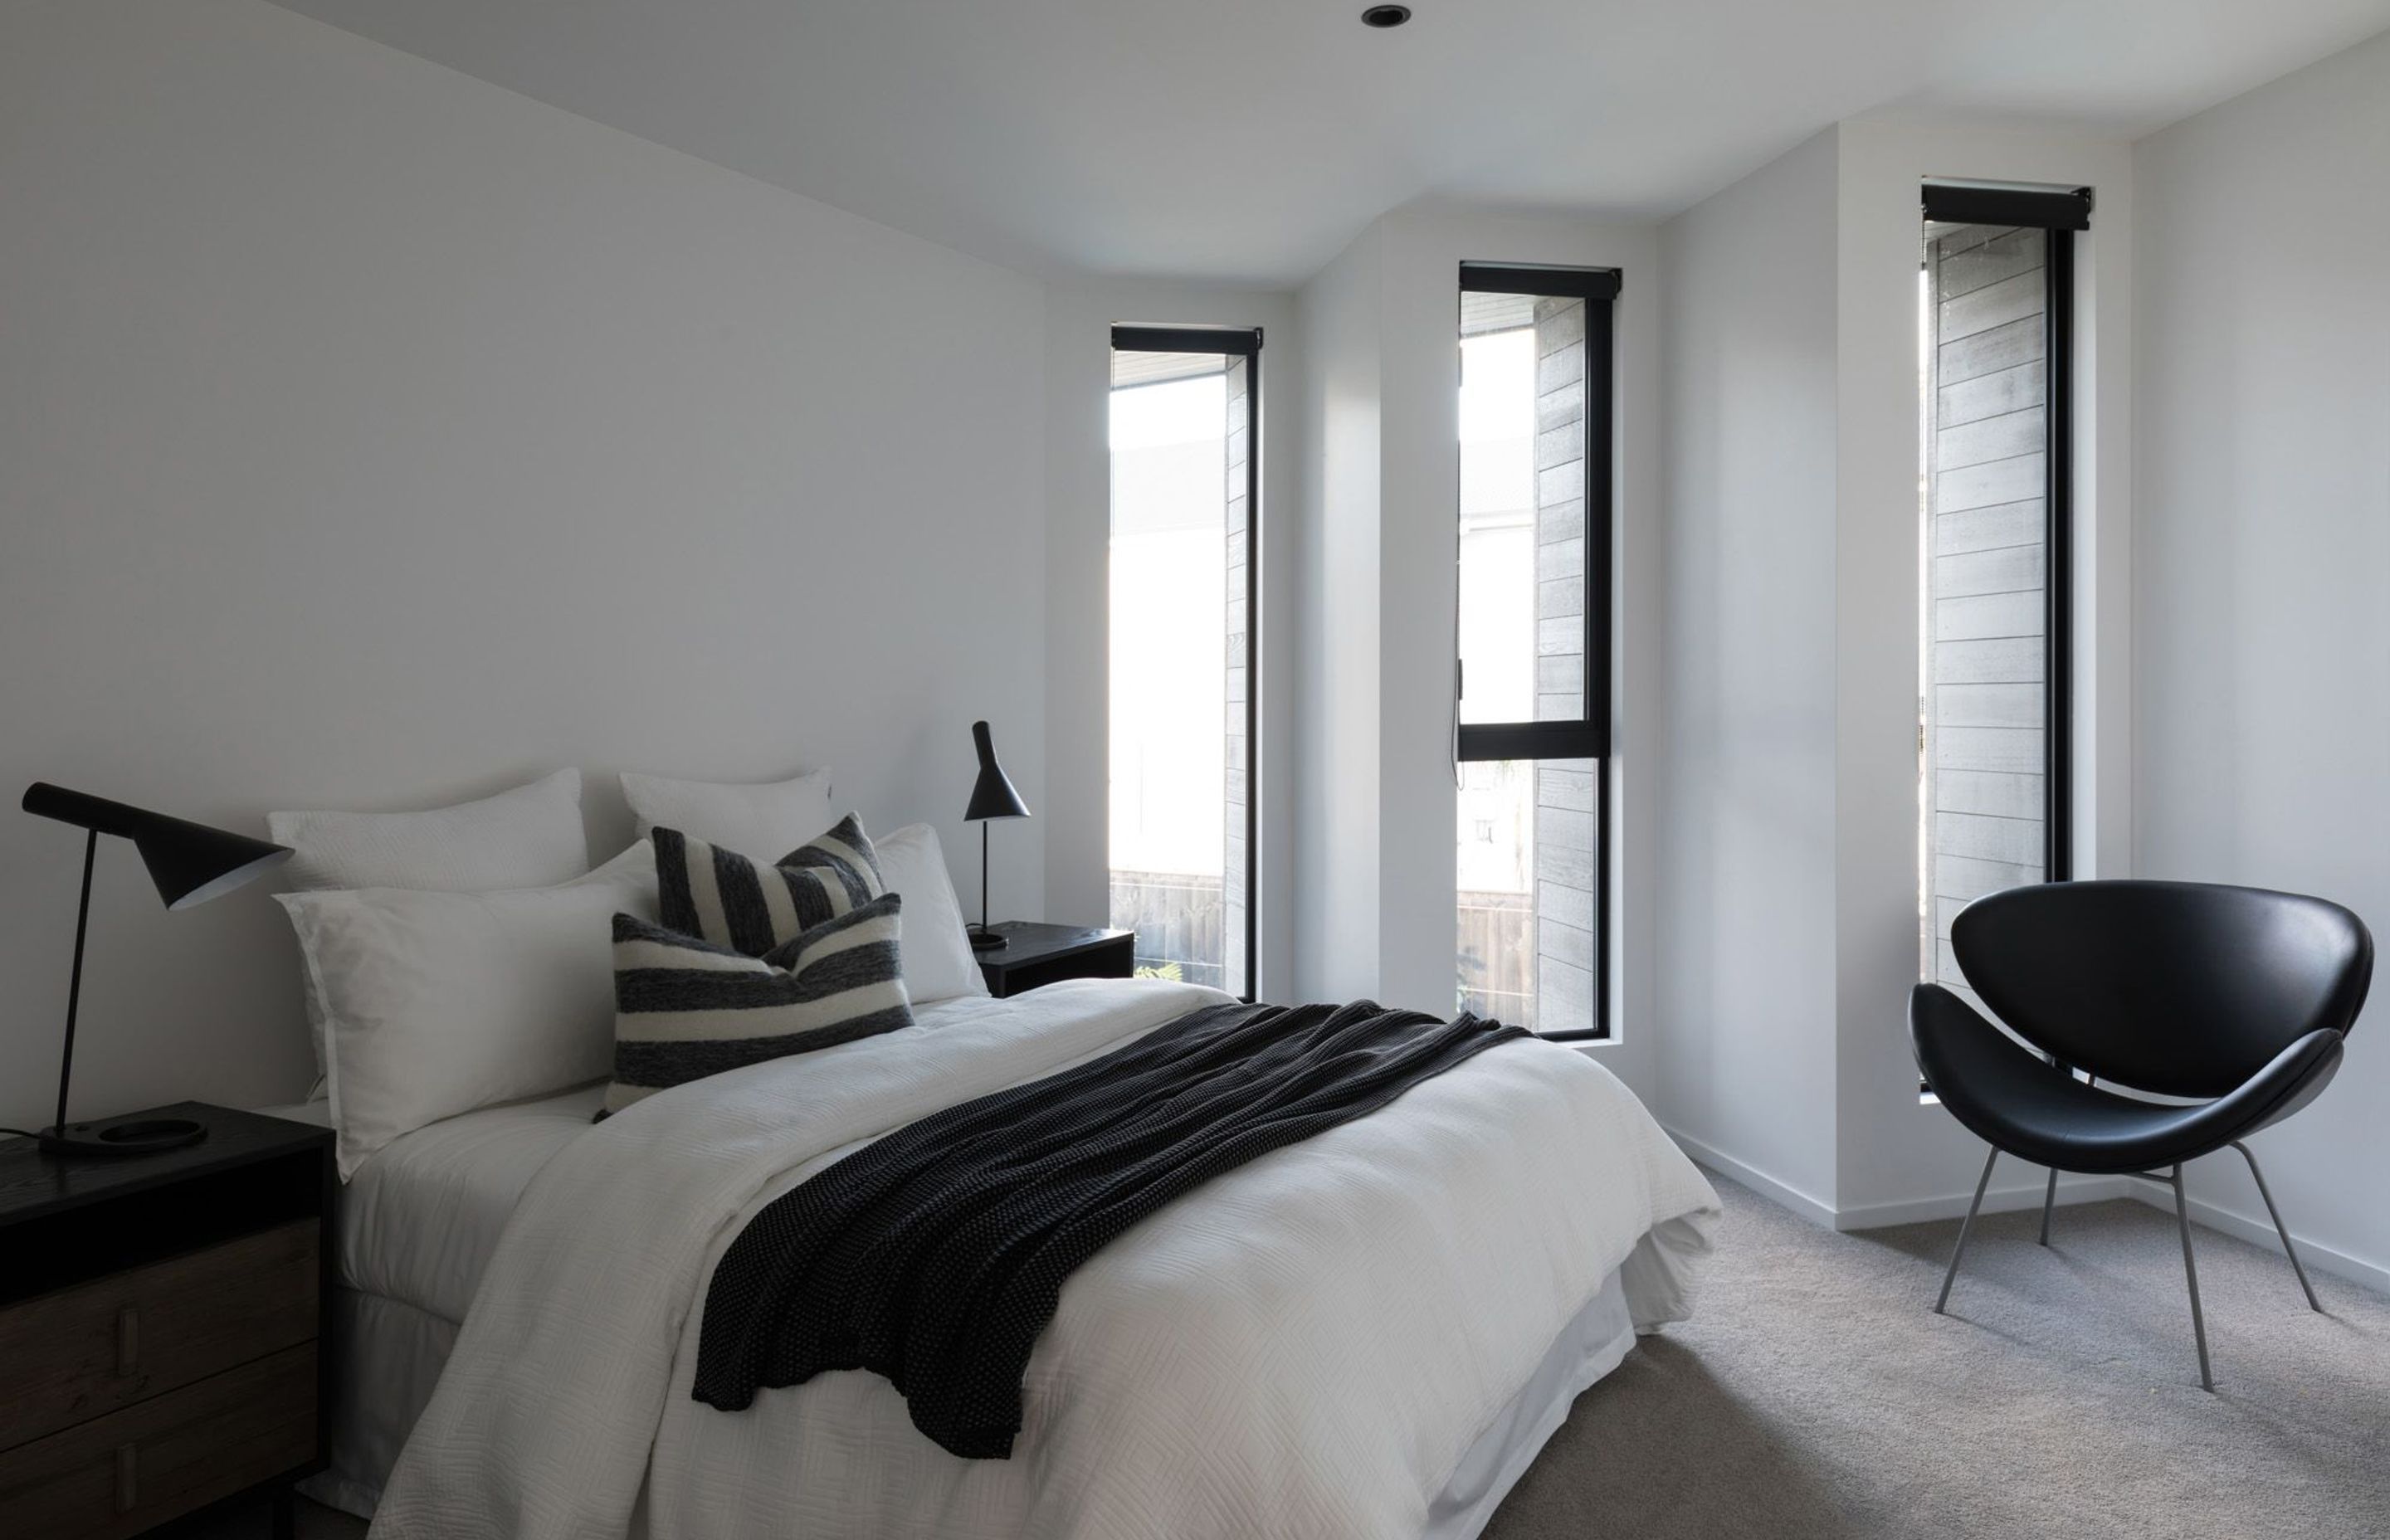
[[982, 874], [74, 985]]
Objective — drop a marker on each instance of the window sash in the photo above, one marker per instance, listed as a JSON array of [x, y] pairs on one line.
[[1585, 737], [1243, 342], [1588, 735], [2058, 214]]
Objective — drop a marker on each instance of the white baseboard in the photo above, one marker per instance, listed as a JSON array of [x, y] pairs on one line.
[[1997, 1200], [2318, 1257], [2003, 1200], [1752, 1177]]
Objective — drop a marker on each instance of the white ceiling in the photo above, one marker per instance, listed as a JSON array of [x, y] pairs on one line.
[[1247, 140]]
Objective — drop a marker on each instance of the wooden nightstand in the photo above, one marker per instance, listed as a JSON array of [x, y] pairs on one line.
[[160, 1320], [1034, 953]]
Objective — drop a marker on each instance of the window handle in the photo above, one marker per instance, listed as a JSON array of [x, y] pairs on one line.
[[1457, 680]]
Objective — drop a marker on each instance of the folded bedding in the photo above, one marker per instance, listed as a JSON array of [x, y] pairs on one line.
[[935, 1256]]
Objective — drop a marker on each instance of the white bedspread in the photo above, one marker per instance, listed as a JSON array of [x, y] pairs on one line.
[[1303, 1347]]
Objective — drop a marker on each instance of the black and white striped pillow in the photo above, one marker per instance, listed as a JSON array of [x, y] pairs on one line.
[[685, 1009], [732, 901]]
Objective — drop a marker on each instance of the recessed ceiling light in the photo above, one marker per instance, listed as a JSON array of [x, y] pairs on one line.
[[1385, 16]]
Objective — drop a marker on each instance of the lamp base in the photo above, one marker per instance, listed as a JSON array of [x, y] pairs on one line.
[[133, 1136], [983, 939]]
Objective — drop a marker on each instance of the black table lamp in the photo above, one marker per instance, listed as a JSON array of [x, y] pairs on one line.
[[191, 864], [992, 797]]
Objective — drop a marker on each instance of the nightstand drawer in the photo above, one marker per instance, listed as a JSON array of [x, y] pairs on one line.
[[113, 1340], [119, 1475]]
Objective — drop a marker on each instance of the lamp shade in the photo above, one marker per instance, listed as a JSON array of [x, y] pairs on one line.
[[993, 796], [191, 863]]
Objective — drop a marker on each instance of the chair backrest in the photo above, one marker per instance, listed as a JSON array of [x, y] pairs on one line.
[[2185, 989]]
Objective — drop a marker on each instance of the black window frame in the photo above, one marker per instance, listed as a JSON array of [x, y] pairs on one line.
[[1589, 737], [1235, 342], [2058, 213]]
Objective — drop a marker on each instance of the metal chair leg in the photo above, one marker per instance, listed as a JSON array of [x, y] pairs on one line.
[[2049, 1198], [2279, 1229], [1964, 1225], [2191, 1272]]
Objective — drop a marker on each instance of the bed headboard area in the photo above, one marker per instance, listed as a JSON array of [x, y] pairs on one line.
[[206, 1003], [384, 440]]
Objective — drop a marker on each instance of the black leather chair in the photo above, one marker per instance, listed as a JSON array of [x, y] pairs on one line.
[[2236, 998]]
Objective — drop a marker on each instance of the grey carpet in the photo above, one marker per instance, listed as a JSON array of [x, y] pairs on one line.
[[1816, 1396]]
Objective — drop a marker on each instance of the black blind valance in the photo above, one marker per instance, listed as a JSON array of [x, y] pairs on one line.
[[1242, 341], [2039, 208]]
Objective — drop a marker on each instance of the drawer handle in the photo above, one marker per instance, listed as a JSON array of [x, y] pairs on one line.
[[127, 1474], [128, 1340]]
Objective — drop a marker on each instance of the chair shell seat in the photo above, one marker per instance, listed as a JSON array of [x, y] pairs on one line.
[[2015, 1099]]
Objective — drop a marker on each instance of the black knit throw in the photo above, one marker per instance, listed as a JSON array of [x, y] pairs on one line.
[[935, 1256]]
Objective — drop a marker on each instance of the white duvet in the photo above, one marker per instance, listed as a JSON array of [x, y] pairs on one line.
[[1303, 1347]]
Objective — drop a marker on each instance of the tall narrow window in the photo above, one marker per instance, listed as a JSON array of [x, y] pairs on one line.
[[1184, 491], [1532, 677], [1994, 301]]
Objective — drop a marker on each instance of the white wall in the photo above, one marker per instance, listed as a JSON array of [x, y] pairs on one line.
[[1079, 318], [1375, 878], [2262, 597], [1745, 1002], [1337, 811], [1896, 1159], [1788, 868], [370, 436], [1419, 594]]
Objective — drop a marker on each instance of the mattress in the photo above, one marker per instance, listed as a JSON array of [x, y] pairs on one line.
[[419, 1220]]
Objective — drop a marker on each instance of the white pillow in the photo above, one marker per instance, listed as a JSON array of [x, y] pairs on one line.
[[764, 822], [526, 838], [937, 953], [437, 1003]]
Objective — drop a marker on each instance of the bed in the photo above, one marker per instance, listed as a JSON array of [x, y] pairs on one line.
[[1370, 1333]]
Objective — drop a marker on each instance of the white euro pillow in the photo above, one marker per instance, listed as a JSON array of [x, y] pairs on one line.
[[937, 953], [764, 821], [526, 838], [437, 1003]]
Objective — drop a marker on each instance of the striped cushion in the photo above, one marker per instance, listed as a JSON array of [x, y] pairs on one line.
[[731, 900], [685, 1009]]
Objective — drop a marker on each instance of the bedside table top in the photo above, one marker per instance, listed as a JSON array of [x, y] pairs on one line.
[[1028, 940], [33, 1185]]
